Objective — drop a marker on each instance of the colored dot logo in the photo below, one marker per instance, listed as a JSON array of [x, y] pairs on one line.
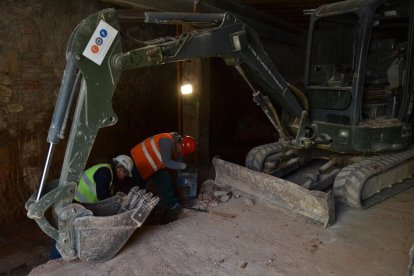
[[94, 49], [99, 40], [103, 32]]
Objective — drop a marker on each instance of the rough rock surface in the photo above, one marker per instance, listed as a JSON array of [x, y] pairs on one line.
[[263, 240]]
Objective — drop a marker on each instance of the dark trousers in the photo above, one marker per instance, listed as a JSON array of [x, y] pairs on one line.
[[161, 184], [54, 253]]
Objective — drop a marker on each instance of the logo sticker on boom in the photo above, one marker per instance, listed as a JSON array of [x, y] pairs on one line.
[[100, 42]]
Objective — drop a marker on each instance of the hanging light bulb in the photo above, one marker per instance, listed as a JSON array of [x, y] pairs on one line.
[[186, 89]]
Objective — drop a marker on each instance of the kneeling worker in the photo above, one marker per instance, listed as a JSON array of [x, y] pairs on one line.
[[152, 158], [102, 180]]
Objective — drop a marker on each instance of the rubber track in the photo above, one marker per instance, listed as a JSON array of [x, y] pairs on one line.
[[350, 180], [256, 157]]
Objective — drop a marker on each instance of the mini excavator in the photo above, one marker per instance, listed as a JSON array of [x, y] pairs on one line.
[[346, 137]]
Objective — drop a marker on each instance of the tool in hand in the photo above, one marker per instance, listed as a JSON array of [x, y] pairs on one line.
[[226, 215]]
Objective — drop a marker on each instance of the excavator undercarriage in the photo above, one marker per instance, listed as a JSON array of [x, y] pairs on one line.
[[348, 136], [357, 181]]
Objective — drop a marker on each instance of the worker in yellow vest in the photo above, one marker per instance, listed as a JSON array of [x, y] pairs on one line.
[[98, 183], [101, 181], [153, 159]]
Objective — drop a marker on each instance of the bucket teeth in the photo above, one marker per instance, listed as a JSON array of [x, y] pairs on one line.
[[154, 201], [134, 202], [144, 206], [138, 199], [142, 201], [133, 196], [148, 196]]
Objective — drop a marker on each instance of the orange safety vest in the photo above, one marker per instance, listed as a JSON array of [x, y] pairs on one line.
[[147, 155]]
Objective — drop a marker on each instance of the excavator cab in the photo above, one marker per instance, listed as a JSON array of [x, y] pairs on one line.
[[359, 85], [358, 75], [359, 96]]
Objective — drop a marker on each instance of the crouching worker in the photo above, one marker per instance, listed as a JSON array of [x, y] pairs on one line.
[[103, 180], [156, 159]]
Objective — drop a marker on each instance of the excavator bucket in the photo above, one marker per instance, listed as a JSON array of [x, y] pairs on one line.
[[100, 237], [96, 231], [318, 206]]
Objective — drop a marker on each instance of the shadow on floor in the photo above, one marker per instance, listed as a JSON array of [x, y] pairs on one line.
[[23, 247]]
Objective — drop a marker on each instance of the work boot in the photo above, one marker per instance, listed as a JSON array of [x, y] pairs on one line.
[[170, 216]]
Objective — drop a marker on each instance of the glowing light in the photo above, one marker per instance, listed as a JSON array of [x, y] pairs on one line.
[[186, 89]]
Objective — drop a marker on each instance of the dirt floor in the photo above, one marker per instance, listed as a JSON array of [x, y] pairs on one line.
[[23, 246], [263, 240]]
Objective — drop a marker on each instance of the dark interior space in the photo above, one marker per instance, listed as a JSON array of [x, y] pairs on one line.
[[236, 123], [220, 113]]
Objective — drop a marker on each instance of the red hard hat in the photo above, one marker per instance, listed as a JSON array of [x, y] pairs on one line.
[[188, 145]]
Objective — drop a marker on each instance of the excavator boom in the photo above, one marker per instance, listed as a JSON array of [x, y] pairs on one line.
[[232, 40]]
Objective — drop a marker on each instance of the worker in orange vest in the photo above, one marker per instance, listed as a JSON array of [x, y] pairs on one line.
[[154, 156]]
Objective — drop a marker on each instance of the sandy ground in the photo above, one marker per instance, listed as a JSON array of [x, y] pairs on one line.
[[264, 240]]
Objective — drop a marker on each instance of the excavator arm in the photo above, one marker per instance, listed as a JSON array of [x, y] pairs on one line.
[[232, 40], [95, 62], [96, 231]]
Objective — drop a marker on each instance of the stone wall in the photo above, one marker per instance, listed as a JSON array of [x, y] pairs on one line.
[[32, 47]]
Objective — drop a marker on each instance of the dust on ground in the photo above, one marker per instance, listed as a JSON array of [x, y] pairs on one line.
[[263, 240]]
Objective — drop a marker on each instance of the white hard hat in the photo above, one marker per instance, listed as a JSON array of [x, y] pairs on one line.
[[126, 162]]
